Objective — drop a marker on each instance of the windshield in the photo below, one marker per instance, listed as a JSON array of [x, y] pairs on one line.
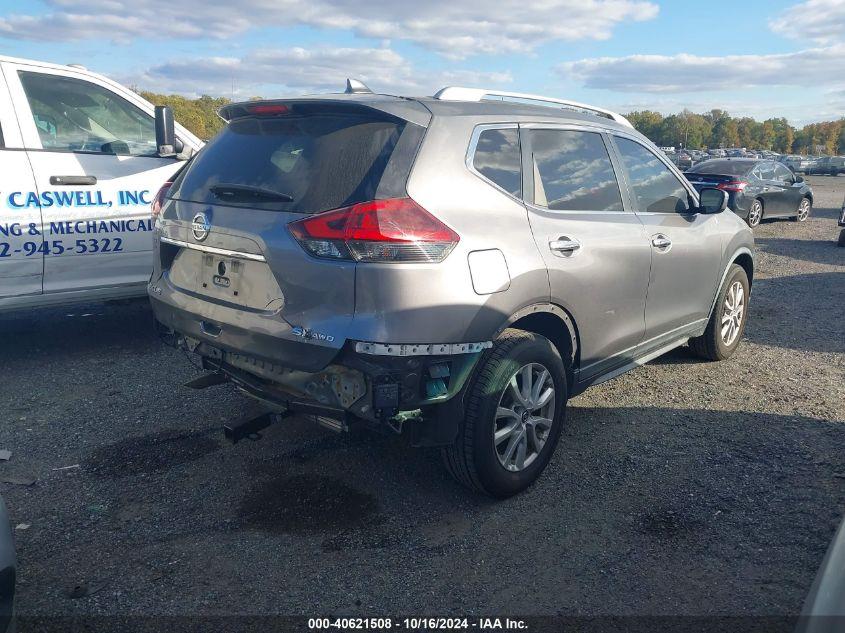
[[299, 163]]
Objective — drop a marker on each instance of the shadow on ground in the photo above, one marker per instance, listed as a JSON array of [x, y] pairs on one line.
[[800, 312], [815, 251]]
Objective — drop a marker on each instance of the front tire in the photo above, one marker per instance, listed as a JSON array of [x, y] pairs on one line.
[[515, 407], [804, 210], [755, 213], [727, 322]]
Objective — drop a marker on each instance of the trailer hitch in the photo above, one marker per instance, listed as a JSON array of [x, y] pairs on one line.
[[250, 428]]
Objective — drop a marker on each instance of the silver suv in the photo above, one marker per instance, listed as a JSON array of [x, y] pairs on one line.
[[452, 268]]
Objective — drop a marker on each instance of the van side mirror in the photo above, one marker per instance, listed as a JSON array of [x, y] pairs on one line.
[[799, 179], [165, 131], [713, 200]]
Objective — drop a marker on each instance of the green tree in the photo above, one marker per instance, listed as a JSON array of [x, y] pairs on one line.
[[647, 122], [198, 115]]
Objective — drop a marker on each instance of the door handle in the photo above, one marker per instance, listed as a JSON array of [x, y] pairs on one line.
[[70, 181], [564, 245], [661, 242]]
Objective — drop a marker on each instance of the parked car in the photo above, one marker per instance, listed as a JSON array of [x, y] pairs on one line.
[[797, 164], [824, 607], [7, 572], [842, 224], [684, 161], [79, 166], [757, 188], [386, 259], [828, 166]]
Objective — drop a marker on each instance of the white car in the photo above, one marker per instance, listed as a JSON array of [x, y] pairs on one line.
[[79, 168]]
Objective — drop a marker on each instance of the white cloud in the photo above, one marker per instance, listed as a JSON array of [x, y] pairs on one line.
[[691, 73], [822, 21], [453, 28], [293, 71]]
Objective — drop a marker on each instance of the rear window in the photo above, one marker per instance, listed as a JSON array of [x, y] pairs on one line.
[[723, 167], [317, 161]]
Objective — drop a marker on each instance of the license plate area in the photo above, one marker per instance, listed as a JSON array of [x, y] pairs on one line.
[[221, 276]]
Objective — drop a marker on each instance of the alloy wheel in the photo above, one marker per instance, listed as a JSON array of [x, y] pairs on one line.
[[524, 417], [732, 313], [803, 210], [755, 214]]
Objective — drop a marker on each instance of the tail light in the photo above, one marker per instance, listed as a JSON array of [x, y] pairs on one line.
[[394, 230], [735, 186], [158, 201]]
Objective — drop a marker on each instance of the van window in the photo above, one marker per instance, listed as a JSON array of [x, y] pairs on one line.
[[656, 188], [573, 172], [78, 116], [321, 160], [497, 158]]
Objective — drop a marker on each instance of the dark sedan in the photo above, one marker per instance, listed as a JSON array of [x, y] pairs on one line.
[[756, 188], [7, 571]]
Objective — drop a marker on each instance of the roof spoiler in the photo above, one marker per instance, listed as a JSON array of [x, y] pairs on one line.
[[457, 93]]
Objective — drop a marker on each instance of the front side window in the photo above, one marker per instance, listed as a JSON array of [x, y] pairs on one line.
[[573, 172], [783, 174], [655, 187], [78, 116], [497, 158]]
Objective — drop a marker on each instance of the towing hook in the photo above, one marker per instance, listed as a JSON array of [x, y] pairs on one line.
[[250, 428]]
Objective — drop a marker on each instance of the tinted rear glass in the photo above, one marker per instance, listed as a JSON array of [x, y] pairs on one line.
[[497, 158], [322, 161], [725, 167]]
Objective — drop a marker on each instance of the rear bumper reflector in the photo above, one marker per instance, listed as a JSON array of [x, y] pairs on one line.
[[420, 349], [223, 252]]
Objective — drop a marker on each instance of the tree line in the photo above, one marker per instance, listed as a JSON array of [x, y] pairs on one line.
[[713, 129], [717, 128]]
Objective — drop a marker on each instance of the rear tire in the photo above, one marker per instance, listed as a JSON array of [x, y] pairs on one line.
[[495, 410], [755, 213], [724, 330], [804, 210], [841, 241]]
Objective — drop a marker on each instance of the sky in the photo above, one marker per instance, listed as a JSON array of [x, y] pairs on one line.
[[760, 58]]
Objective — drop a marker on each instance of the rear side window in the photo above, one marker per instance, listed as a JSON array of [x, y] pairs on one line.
[[573, 172], [767, 171], [498, 159], [655, 187], [318, 162]]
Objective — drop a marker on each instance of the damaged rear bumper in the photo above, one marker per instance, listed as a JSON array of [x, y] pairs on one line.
[[372, 386]]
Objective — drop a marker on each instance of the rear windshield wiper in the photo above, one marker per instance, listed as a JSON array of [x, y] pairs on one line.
[[225, 191]]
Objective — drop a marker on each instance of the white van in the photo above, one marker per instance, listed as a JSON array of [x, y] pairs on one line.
[[79, 167]]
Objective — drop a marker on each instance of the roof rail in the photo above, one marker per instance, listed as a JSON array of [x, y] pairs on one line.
[[456, 93]]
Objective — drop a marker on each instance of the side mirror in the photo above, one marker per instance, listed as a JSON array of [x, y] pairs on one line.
[[165, 132], [713, 200], [799, 179]]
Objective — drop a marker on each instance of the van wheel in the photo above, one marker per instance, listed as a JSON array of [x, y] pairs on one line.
[[804, 210], [841, 241], [514, 415], [727, 322], [755, 214]]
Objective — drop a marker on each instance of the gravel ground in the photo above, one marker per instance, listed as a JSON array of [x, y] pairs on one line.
[[679, 488]]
